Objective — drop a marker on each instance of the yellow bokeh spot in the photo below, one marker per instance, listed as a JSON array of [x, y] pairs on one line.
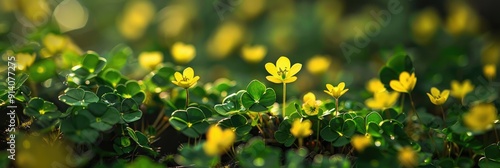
[[253, 54], [150, 60], [318, 64]]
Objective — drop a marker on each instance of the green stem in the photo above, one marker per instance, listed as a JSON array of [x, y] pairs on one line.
[[414, 110], [402, 102], [284, 100], [301, 140], [187, 98], [337, 107], [496, 135], [444, 116], [317, 131]]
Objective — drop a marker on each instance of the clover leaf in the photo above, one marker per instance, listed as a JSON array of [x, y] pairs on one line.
[[101, 116], [257, 97], [130, 111], [230, 105], [77, 128], [283, 134], [41, 109], [191, 122], [78, 97], [238, 123], [257, 154], [131, 89], [338, 131]]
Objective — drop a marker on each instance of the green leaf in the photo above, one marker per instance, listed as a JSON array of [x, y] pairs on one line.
[[492, 152], [93, 62], [400, 63], [41, 109], [20, 79], [283, 134], [238, 123], [131, 89], [162, 77], [191, 122], [373, 129], [143, 162], [257, 154], [257, 98], [77, 128], [387, 74], [112, 76], [118, 56], [373, 117], [42, 70], [130, 110], [101, 116], [486, 163], [78, 97], [230, 104]]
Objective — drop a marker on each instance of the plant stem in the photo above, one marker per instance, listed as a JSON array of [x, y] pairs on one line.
[[444, 116], [284, 100], [187, 98], [301, 140], [337, 107], [496, 135], [317, 131], [402, 102], [414, 110]]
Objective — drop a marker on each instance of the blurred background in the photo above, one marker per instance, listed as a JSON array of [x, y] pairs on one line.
[[335, 40]]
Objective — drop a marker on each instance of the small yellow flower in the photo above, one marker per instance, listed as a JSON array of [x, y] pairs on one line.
[[54, 43], [311, 105], [407, 157], [183, 53], [405, 84], [301, 129], [360, 142], [282, 72], [337, 91], [318, 64], [480, 117], [490, 71], [218, 140], [186, 79], [150, 60], [374, 86], [382, 100], [437, 97], [460, 90], [24, 60], [253, 54]]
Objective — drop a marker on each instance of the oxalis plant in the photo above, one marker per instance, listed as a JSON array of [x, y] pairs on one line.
[[121, 121]]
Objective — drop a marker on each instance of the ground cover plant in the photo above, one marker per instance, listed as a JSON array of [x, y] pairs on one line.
[[245, 100]]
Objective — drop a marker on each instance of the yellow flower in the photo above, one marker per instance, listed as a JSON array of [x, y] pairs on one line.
[[54, 43], [480, 117], [282, 72], [360, 142], [253, 54], [135, 19], [318, 64], [408, 157], [150, 60], [336, 92], [490, 71], [405, 84], [374, 86], [301, 129], [24, 60], [186, 79], [459, 91], [382, 100], [218, 140], [424, 25], [183, 53], [437, 97], [311, 105]]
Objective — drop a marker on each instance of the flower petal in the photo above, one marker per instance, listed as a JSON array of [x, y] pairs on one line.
[[290, 80], [273, 79], [431, 98], [188, 73], [404, 76], [329, 87], [343, 92], [283, 62], [397, 86], [445, 94], [435, 92], [309, 97], [271, 68], [341, 86], [294, 69], [178, 76]]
